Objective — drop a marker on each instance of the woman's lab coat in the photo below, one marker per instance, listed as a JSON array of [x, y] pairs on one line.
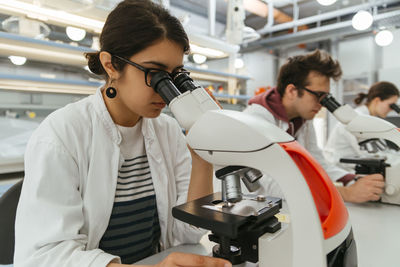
[[71, 168], [341, 143], [306, 136]]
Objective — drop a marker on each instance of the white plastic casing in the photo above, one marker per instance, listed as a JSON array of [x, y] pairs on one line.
[[189, 106], [240, 132]]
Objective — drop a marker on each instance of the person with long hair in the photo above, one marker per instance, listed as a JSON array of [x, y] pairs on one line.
[[102, 174], [377, 102]]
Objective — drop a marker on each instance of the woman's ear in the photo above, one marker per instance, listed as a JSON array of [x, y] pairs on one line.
[[375, 101], [105, 59]]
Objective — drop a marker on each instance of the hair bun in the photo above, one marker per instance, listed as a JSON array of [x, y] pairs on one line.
[[360, 97], [94, 63]]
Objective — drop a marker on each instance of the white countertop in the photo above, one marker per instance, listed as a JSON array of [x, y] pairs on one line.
[[376, 229]]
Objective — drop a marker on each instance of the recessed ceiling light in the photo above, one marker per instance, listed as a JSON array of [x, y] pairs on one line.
[[384, 38], [362, 20], [326, 2], [199, 59], [16, 60], [75, 34], [239, 63]]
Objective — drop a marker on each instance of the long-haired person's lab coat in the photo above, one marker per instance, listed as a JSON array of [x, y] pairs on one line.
[[72, 163], [341, 143]]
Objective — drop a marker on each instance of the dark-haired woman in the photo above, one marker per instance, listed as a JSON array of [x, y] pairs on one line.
[[341, 143], [102, 174]]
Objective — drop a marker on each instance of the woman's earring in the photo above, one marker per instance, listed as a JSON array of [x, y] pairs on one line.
[[111, 92]]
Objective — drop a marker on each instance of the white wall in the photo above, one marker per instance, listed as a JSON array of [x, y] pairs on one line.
[[363, 57], [357, 56], [390, 70], [261, 67]]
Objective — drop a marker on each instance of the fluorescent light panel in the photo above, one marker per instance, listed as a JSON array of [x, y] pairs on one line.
[[47, 14], [209, 52], [34, 86], [41, 54]]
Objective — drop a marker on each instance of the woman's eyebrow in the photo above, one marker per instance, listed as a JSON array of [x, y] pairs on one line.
[[161, 65]]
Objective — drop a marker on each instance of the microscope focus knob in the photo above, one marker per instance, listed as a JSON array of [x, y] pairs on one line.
[[391, 189]]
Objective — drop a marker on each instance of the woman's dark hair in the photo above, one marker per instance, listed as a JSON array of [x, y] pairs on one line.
[[297, 68], [133, 26], [383, 90]]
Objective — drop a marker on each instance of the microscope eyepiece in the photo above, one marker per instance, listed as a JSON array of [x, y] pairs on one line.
[[395, 108], [162, 84], [184, 82], [330, 103]]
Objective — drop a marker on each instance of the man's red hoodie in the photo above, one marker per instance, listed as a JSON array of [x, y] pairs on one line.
[[272, 101]]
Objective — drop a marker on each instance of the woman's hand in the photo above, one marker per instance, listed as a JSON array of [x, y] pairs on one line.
[[178, 259], [192, 260]]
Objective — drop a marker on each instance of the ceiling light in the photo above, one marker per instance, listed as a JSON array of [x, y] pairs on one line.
[[384, 38], [75, 34], [239, 63], [218, 48], [362, 20], [209, 52], [326, 2], [199, 59], [16, 60], [36, 53], [47, 14]]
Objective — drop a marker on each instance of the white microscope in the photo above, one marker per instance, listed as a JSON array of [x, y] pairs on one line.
[[241, 146], [365, 127]]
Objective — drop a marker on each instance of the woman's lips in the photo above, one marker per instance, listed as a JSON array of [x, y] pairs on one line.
[[159, 105]]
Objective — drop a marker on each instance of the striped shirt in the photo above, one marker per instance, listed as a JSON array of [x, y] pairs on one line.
[[133, 232]]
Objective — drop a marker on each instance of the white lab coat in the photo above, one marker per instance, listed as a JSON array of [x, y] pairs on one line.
[[341, 143], [305, 136], [71, 169]]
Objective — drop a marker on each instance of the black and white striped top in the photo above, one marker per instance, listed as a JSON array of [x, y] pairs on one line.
[[133, 232]]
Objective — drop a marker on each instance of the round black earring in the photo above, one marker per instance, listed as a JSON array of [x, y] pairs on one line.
[[111, 92]]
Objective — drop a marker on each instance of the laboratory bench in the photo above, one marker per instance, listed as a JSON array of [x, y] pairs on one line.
[[376, 228]]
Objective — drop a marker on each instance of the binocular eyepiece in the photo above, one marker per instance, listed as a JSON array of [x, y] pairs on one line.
[[170, 87], [330, 103], [395, 107]]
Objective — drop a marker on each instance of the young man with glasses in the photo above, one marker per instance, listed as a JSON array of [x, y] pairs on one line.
[[303, 81]]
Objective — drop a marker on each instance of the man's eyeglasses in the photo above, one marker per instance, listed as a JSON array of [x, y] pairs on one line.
[[148, 72], [318, 94]]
